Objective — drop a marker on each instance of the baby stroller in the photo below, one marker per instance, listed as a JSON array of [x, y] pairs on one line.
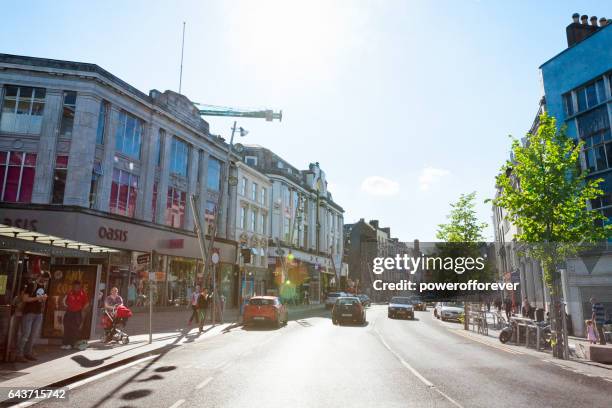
[[114, 322]]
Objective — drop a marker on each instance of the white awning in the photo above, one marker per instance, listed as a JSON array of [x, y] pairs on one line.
[[40, 238]]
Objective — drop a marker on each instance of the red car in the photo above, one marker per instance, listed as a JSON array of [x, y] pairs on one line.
[[261, 309]]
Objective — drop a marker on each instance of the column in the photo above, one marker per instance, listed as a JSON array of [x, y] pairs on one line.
[[162, 187], [45, 159], [82, 150], [147, 172], [192, 185], [108, 164], [233, 201], [224, 201]]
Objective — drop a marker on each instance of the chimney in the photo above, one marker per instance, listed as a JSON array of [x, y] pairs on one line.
[[374, 223], [578, 31], [603, 22]]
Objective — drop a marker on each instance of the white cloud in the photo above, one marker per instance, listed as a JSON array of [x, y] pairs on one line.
[[379, 186], [431, 175]]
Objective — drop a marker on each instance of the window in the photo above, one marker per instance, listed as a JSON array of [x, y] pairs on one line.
[[124, 191], [175, 208], [154, 201], [68, 114], [243, 220], [129, 135], [243, 184], [102, 118], [22, 110], [601, 90], [210, 211], [179, 157], [253, 221], [254, 191], [263, 196], [591, 94], [263, 220], [59, 179], [568, 104], [285, 229], [581, 97], [93, 189], [160, 146], [251, 160], [594, 129], [213, 177], [286, 197], [17, 170]]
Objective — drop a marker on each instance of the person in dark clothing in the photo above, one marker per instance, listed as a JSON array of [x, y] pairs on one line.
[[76, 302], [508, 308], [33, 298], [203, 303]]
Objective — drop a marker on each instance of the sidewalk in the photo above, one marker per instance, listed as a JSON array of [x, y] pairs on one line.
[[56, 367], [575, 363]]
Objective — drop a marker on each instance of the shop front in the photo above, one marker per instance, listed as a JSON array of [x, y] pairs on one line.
[[176, 261]]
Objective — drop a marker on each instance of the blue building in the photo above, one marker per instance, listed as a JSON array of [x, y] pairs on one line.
[[578, 92]]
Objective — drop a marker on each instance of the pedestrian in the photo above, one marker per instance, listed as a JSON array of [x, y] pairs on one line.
[[76, 303], [113, 300], [194, 305], [202, 308], [599, 318], [508, 308], [526, 309], [591, 335], [131, 295], [221, 307], [34, 297]]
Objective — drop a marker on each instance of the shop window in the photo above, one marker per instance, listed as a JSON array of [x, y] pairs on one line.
[[175, 208], [17, 171], [22, 110], [124, 191], [68, 110], [102, 120], [129, 134], [59, 179]]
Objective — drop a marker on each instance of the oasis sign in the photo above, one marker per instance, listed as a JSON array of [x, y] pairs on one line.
[[113, 234]]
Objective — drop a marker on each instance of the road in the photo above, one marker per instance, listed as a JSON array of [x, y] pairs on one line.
[[312, 363]]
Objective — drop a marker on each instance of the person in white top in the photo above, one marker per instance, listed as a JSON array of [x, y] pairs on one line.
[[194, 305]]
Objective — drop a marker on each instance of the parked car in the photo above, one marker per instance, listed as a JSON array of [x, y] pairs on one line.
[[265, 309], [330, 301], [348, 308], [400, 307], [365, 300], [450, 311], [418, 304]]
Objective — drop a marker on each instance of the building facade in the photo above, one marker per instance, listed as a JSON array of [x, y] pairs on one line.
[[253, 229], [87, 157], [305, 248]]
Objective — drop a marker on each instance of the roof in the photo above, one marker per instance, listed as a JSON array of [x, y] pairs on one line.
[[589, 38]]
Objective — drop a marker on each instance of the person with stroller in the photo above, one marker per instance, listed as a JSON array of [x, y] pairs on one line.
[[76, 302], [113, 300]]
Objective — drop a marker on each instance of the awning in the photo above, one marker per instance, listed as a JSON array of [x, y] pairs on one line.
[[40, 238]]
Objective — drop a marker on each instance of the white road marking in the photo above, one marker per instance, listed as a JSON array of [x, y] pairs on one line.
[[204, 383], [93, 378], [418, 375], [177, 403]]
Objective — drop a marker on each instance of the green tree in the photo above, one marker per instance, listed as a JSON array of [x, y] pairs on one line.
[[546, 196], [463, 225]]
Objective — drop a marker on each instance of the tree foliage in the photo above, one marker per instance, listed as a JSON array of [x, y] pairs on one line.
[[463, 225], [546, 196]]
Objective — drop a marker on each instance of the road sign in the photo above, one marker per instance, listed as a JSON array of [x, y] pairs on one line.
[[143, 259]]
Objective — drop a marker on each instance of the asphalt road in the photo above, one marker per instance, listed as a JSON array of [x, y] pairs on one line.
[[312, 363]]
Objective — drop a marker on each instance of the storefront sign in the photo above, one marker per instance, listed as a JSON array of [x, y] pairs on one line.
[[24, 223], [60, 284], [113, 234], [143, 259]]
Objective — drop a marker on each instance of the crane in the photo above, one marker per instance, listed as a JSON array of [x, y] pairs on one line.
[[213, 110]]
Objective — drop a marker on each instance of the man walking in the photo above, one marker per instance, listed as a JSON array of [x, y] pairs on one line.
[[194, 305], [76, 302], [33, 298], [599, 318], [202, 308]]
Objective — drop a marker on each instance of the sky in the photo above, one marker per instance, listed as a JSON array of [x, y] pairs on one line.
[[405, 104]]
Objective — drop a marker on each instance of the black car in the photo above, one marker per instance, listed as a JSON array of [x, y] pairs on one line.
[[348, 309], [365, 300], [400, 307]]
